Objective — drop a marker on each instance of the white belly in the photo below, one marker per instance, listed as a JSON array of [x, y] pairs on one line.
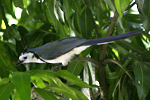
[[65, 58]]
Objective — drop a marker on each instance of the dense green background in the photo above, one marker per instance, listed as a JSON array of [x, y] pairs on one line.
[[121, 68]]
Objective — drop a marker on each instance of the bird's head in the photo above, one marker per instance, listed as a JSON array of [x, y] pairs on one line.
[[25, 58], [28, 57]]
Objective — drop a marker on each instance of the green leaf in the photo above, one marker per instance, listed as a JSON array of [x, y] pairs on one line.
[[62, 88], [34, 38], [68, 8], [120, 48], [142, 78], [71, 78], [132, 18], [57, 85], [12, 32], [40, 12], [75, 67], [57, 24], [4, 72], [16, 95], [114, 78], [130, 46], [12, 46], [7, 5], [45, 94], [38, 82], [22, 84], [86, 24], [111, 76], [145, 14], [25, 3], [5, 91], [45, 75], [18, 3], [121, 6], [122, 70], [120, 95], [79, 94], [5, 61], [4, 81], [110, 4]]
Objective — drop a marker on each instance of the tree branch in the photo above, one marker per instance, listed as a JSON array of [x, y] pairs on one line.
[[94, 62], [109, 33], [101, 68]]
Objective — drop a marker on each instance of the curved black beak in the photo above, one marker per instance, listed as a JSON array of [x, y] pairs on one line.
[[18, 63]]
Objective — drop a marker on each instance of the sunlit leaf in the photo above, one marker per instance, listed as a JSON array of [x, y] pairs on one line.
[[121, 50], [44, 75], [25, 3], [121, 6], [38, 82]]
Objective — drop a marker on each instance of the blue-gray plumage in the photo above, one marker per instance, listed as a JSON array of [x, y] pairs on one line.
[[61, 51], [57, 48]]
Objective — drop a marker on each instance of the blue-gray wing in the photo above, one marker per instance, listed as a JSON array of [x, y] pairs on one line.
[[57, 48]]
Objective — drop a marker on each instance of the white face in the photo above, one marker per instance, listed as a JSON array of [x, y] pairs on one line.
[[29, 57]]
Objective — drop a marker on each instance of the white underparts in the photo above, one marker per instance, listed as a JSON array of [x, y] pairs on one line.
[[65, 58]]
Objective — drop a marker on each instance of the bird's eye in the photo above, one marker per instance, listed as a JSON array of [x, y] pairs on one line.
[[24, 57]]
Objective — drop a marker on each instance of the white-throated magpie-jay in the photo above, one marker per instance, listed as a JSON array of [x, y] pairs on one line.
[[61, 51]]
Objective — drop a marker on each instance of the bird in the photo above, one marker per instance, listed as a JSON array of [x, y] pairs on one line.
[[63, 50]]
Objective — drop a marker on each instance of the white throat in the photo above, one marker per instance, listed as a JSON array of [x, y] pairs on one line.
[[30, 58]]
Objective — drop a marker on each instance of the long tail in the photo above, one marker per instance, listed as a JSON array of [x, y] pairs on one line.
[[112, 38]]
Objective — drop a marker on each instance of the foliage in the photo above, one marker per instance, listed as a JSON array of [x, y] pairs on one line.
[[121, 68]]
